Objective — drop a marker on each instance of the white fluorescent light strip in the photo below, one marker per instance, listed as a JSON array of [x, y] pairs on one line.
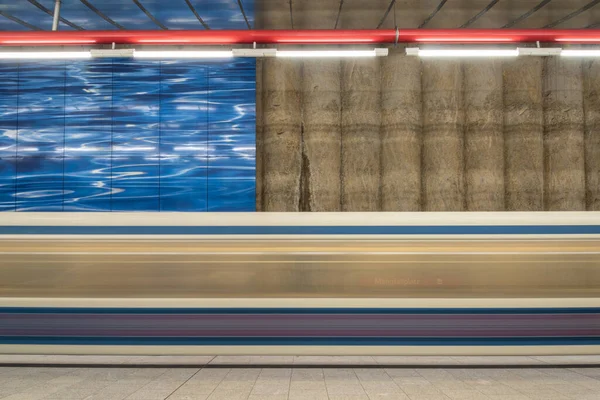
[[478, 53], [330, 53], [580, 53], [183, 54], [44, 55]]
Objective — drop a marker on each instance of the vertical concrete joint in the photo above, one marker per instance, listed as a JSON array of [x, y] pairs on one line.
[[523, 135], [282, 134], [443, 136], [259, 138], [279, 149], [591, 102], [322, 133], [401, 132], [305, 178], [564, 167], [361, 121], [484, 136]]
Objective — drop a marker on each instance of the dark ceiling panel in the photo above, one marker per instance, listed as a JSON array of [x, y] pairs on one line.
[[149, 14], [506, 11], [176, 16], [29, 13], [76, 12], [50, 11], [126, 13], [355, 14], [8, 24], [224, 14]]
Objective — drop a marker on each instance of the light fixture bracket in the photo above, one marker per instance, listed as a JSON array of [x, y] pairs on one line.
[[539, 51], [254, 52], [112, 53]]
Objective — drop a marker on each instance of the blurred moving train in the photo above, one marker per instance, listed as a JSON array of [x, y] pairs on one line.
[[294, 283]]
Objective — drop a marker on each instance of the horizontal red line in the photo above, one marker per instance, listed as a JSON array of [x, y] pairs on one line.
[[338, 36]]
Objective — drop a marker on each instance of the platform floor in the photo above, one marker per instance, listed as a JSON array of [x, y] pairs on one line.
[[295, 378]]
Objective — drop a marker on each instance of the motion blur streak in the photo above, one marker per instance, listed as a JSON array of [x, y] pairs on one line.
[[394, 283], [252, 268]]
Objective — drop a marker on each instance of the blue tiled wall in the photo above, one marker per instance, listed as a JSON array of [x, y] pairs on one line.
[[115, 135]]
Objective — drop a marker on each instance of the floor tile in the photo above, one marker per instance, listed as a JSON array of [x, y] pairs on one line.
[[465, 395], [337, 378], [308, 395]]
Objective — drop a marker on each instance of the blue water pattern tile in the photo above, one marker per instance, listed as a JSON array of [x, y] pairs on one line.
[[231, 195], [87, 183], [135, 183], [39, 183], [8, 131], [231, 122], [107, 135], [183, 183], [231, 183], [7, 183], [41, 131], [41, 85]]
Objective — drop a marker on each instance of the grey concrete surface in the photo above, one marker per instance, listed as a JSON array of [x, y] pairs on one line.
[[401, 133], [281, 123], [523, 135], [321, 140], [591, 104], [321, 145], [281, 139], [361, 145], [564, 170], [443, 136], [484, 136], [259, 139], [300, 378]]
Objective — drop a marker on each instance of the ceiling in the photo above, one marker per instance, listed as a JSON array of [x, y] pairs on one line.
[[299, 14], [126, 14], [368, 14]]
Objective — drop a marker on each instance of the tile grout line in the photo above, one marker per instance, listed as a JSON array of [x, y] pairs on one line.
[[112, 130], [394, 381], [188, 379], [206, 154], [152, 380], [432, 384], [64, 135], [290, 383], [360, 383], [254, 384], [325, 382], [221, 381], [16, 160], [160, 84]]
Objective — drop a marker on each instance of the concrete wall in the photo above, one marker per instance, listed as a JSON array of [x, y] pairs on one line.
[[402, 134]]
